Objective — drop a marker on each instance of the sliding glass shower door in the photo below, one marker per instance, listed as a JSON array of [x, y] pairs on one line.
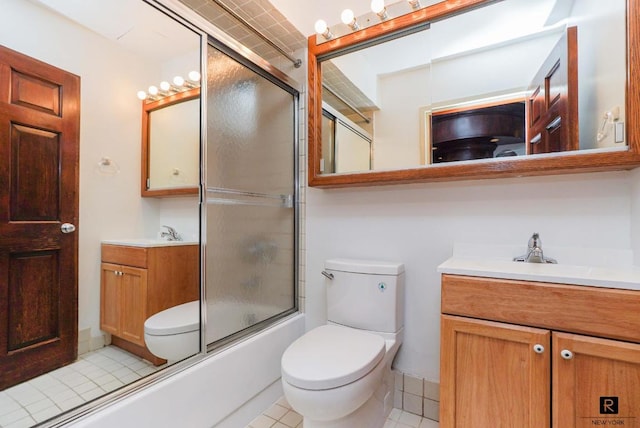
[[251, 197]]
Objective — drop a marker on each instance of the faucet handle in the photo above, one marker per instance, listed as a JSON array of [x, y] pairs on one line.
[[535, 241]]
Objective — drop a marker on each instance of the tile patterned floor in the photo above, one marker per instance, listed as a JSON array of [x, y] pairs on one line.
[[94, 374], [280, 415]]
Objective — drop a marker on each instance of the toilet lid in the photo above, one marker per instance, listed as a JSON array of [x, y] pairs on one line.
[[175, 320], [330, 356]]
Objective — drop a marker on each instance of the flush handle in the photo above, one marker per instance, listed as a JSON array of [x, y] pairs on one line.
[[328, 274]]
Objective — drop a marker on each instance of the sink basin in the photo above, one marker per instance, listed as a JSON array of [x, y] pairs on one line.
[[147, 242]]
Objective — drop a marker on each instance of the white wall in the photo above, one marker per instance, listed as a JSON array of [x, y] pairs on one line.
[[601, 82], [110, 206], [419, 224], [400, 110]]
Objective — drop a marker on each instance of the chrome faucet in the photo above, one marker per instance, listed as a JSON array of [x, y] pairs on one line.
[[534, 252], [170, 234]]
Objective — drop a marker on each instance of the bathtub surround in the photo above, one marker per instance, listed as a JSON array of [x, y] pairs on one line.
[[239, 394]]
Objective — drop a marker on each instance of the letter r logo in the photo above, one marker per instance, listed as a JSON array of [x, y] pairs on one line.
[[608, 405]]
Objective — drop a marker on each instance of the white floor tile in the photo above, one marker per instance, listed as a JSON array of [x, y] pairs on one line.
[[276, 411], [410, 419], [262, 421], [291, 419], [94, 374], [280, 415]]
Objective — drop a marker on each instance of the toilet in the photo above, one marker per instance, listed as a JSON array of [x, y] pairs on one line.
[[338, 375], [174, 334]]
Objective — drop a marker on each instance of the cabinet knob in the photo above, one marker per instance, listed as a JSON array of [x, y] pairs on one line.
[[538, 348], [566, 354]]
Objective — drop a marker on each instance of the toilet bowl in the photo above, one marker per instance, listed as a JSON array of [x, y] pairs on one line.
[[174, 334], [338, 375], [332, 374]]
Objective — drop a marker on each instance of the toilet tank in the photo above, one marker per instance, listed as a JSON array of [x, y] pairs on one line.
[[366, 294]]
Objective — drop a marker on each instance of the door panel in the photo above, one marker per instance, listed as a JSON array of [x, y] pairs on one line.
[[33, 299], [553, 102], [39, 138], [491, 376], [34, 174], [599, 385]]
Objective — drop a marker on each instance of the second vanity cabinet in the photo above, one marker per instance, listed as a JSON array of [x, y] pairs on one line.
[[534, 354], [139, 281]]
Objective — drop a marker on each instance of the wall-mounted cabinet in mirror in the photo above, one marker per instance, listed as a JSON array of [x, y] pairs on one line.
[[171, 144], [475, 89]]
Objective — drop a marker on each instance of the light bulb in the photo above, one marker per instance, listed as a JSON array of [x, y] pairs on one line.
[[194, 76], [377, 6], [165, 86], [178, 81], [142, 95], [321, 26], [153, 90], [348, 18]]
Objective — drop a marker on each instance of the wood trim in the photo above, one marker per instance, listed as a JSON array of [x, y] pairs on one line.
[[546, 164], [578, 309], [479, 105], [148, 107], [138, 350]]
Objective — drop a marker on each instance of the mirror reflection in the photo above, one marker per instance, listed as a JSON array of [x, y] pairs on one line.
[[171, 143], [120, 259], [512, 78]]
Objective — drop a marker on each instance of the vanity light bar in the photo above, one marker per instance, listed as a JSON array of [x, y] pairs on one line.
[[166, 89], [378, 7]]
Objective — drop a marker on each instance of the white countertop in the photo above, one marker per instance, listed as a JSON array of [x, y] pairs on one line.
[[620, 275], [146, 242]]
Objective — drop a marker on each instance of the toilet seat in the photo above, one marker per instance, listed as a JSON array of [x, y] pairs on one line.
[[331, 356], [179, 319]]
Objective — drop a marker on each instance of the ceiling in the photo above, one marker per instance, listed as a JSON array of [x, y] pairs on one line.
[[133, 24]]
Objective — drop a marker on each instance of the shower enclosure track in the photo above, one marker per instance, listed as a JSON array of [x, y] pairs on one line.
[[296, 61]]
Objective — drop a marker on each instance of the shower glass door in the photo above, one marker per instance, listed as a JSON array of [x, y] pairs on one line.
[[251, 197]]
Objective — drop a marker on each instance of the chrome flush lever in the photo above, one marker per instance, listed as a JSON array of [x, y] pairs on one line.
[[328, 274]]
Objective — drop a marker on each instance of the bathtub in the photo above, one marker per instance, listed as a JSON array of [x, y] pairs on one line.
[[226, 390]]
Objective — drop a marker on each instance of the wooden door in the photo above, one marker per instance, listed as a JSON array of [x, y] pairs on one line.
[[491, 376], [133, 304], [596, 382], [110, 285], [553, 100], [39, 135]]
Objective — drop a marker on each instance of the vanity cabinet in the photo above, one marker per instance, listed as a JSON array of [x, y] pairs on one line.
[[137, 282], [533, 354]]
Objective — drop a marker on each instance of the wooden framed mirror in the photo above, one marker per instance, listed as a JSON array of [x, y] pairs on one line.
[[171, 144], [576, 148]]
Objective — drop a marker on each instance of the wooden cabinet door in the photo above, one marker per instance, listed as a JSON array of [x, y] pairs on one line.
[[110, 298], [133, 309], [491, 376], [596, 382]]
